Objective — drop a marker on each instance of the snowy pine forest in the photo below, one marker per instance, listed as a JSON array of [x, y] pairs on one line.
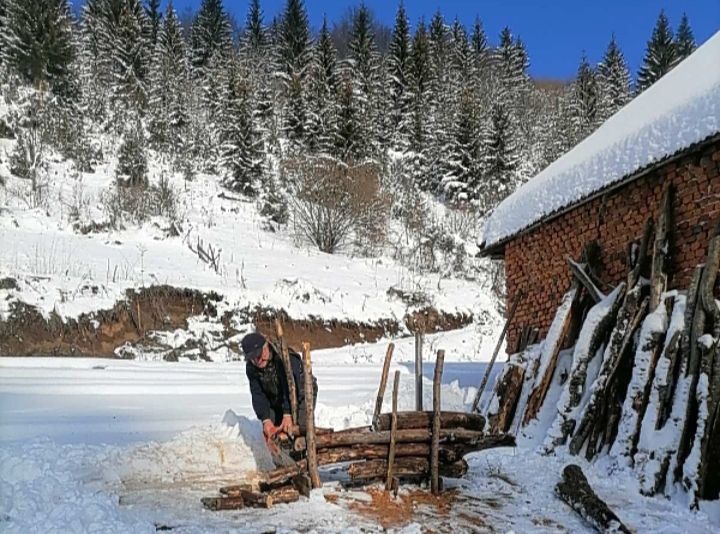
[[366, 121]]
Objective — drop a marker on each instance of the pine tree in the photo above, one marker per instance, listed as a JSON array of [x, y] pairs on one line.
[[154, 16], [660, 55], [364, 63], [241, 153], [255, 38], [460, 182], [513, 64], [322, 126], [479, 40], [132, 159], [210, 35], [36, 41], [684, 39], [501, 158], [348, 127], [585, 100], [169, 102], [399, 66], [613, 81], [441, 110], [420, 78]]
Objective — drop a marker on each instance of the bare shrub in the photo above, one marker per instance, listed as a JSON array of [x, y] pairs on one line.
[[27, 162], [335, 204], [137, 204]]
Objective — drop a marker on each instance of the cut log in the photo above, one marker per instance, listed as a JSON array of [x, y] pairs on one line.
[[393, 432], [284, 495], [650, 344], [383, 384], [594, 414], [658, 276], [409, 420], [574, 489], [469, 439], [312, 463], [404, 467], [301, 482], [234, 491], [498, 346], [222, 503], [551, 349], [594, 332], [285, 356], [578, 271], [256, 499], [449, 452]]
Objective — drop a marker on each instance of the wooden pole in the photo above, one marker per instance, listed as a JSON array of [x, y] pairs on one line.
[[486, 376], [383, 383], [418, 371], [393, 432], [435, 442], [285, 356], [312, 460]]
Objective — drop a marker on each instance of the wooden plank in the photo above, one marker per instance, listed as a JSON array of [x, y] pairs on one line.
[[393, 432], [486, 376], [435, 442], [383, 383], [312, 461]]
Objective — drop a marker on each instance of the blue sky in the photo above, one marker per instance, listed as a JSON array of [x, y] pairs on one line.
[[555, 32]]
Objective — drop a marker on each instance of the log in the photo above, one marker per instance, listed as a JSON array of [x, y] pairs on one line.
[[393, 432], [284, 495], [449, 452], [404, 467], [234, 491], [285, 356], [642, 258], [595, 330], [435, 438], [486, 376], [256, 499], [418, 371], [658, 276], [650, 344], [470, 439], [547, 362], [408, 420], [508, 392], [301, 482], [222, 503], [578, 271], [712, 265], [594, 414], [383, 383], [575, 490], [312, 463], [279, 476]]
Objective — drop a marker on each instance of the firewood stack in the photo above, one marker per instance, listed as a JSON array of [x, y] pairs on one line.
[[398, 447], [643, 385]]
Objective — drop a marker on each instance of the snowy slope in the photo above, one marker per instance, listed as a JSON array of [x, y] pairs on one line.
[[681, 109]]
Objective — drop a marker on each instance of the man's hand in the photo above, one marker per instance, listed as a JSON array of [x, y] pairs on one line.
[[269, 431], [286, 424]]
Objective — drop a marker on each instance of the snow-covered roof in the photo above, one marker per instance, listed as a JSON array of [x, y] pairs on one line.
[[678, 111]]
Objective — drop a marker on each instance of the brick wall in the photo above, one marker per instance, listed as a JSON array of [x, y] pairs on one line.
[[536, 262]]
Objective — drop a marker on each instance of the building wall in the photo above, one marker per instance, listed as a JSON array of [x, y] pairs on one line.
[[536, 262]]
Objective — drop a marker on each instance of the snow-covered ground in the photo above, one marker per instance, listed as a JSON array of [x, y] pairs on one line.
[[93, 445]]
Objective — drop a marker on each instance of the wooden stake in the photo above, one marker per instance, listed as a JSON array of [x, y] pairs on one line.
[[435, 442], [312, 461], [486, 376], [658, 277], [383, 383], [285, 356], [393, 433], [418, 371]]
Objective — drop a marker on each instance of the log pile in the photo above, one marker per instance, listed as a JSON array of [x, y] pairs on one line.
[[643, 383], [398, 447]]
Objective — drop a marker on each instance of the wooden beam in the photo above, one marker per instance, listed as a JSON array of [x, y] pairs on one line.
[[407, 420], [285, 357], [383, 383], [578, 271], [312, 462], [393, 432], [435, 441], [418, 371]]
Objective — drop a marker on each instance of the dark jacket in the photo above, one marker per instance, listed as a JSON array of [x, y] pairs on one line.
[[269, 387]]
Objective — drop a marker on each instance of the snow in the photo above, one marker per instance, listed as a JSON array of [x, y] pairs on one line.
[[84, 449], [681, 109]]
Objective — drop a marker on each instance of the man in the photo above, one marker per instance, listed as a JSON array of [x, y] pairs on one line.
[[269, 387]]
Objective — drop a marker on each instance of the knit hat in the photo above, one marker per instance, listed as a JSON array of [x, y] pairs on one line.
[[252, 345]]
